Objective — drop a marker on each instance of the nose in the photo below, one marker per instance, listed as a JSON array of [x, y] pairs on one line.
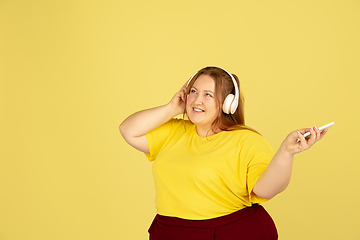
[[198, 100]]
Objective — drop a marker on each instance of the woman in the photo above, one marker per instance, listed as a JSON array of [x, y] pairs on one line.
[[211, 172]]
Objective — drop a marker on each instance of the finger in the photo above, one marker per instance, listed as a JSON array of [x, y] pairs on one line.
[[322, 134], [303, 143], [183, 88], [318, 133], [182, 94], [312, 138], [304, 130]]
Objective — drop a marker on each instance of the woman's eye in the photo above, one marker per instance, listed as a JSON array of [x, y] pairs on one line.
[[193, 91], [208, 95]]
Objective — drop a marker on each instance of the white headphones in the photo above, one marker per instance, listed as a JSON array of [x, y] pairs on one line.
[[231, 102]]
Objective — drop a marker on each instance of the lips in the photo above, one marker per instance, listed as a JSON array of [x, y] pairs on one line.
[[197, 110]]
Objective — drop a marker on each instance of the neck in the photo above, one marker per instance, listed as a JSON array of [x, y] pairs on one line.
[[206, 132]]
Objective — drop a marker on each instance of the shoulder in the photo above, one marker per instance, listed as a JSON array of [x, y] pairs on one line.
[[178, 124]]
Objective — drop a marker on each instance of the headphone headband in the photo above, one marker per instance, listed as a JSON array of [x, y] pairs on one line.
[[231, 102]]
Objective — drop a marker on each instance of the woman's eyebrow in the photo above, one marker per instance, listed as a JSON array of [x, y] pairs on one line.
[[209, 91]]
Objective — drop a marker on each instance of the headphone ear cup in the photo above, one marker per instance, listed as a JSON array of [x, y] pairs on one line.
[[227, 103], [234, 106]]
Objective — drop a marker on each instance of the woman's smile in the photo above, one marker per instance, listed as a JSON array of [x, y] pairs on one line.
[[198, 110]]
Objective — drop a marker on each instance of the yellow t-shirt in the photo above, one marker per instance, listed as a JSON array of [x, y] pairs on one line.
[[205, 177]]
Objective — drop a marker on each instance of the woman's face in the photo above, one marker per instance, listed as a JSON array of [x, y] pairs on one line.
[[201, 104]]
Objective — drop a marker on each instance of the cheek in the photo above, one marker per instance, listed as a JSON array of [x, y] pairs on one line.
[[216, 112], [188, 103], [212, 104], [189, 100]]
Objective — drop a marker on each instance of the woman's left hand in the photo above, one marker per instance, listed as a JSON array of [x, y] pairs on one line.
[[292, 146]]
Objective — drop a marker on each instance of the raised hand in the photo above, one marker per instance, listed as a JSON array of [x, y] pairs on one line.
[[178, 101], [292, 146]]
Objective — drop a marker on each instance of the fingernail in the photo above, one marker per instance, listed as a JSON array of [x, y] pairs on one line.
[[312, 128], [316, 127]]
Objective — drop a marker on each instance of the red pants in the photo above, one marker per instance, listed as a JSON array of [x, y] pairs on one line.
[[249, 223]]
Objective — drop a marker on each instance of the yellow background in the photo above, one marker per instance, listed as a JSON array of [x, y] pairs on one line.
[[71, 71]]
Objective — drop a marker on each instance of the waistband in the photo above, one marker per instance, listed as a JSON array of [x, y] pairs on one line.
[[209, 223]]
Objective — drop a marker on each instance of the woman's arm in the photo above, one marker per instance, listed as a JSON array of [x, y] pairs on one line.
[[277, 176], [134, 128]]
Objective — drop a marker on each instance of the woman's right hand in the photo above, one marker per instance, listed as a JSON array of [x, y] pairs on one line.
[[177, 103], [135, 127]]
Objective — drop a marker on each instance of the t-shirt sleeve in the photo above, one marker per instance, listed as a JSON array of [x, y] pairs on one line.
[[157, 138], [260, 155]]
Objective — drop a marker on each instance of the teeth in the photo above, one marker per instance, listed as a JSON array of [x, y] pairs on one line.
[[197, 110]]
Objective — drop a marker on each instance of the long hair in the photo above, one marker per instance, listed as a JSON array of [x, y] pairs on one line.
[[223, 86]]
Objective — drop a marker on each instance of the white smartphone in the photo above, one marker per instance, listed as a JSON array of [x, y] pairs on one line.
[[320, 128]]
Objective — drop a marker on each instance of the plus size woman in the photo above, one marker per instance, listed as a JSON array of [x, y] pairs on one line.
[[211, 171]]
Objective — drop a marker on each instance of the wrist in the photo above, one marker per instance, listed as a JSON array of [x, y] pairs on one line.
[[171, 110], [285, 152]]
